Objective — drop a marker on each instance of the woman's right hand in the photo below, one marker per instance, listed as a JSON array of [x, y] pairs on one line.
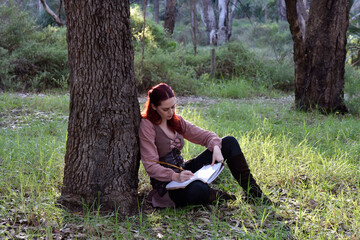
[[182, 176]]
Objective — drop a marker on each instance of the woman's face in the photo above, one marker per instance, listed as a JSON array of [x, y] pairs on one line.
[[166, 109]]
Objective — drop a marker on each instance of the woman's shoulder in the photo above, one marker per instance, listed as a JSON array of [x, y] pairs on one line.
[[146, 123], [180, 118], [146, 128]]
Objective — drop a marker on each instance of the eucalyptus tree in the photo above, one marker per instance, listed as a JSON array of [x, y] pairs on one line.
[[218, 25], [102, 151], [319, 54]]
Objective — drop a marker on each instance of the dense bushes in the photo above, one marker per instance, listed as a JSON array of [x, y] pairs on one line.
[[30, 58], [187, 72]]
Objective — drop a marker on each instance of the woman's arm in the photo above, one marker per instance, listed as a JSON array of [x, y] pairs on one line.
[[200, 136], [148, 151]]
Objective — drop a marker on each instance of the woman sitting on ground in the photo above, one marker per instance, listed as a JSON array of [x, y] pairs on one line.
[[162, 134]]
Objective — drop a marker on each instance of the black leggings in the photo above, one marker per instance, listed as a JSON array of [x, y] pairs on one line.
[[197, 192]]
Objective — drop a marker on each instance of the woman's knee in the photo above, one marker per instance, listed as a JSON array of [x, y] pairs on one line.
[[230, 146], [198, 192], [229, 140]]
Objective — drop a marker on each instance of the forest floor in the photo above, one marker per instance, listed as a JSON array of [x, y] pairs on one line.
[[308, 163]]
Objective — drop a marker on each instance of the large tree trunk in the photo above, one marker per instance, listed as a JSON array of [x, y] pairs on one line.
[[170, 16], [102, 151], [320, 56]]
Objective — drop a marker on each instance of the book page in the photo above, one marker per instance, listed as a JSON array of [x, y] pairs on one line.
[[206, 174]]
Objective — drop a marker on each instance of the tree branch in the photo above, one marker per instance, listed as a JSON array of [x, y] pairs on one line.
[[52, 14]]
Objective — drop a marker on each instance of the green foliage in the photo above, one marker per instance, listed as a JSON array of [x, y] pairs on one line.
[[261, 10], [352, 89], [190, 74], [275, 36], [31, 59], [155, 36], [15, 26]]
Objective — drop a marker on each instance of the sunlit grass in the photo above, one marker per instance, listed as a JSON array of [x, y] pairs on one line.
[[306, 162]]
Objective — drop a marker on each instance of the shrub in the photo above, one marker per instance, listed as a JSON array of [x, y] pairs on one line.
[[30, 58], [352, 89], [275, 36], [39, 63], [16, 26], [155, 36]]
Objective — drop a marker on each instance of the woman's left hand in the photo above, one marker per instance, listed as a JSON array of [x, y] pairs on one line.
[[217, 156]]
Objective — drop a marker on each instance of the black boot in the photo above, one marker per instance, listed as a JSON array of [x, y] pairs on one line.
[[219, 195], [241, 172]]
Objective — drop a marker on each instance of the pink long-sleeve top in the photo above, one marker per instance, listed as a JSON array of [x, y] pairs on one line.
[[154, 143]]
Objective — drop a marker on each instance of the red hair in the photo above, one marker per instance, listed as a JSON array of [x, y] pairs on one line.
[[156, 95]]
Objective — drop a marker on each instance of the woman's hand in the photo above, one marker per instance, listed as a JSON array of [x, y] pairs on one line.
[[182, 176], [217, 156]]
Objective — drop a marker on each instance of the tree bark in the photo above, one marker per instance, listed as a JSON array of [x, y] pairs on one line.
[[218, 33], [282, 10], [320, 56], [223, 21], [208, 18], [102, 151], [302, 8], [156, 11], [193, 23], [53, 15], [170, 16]]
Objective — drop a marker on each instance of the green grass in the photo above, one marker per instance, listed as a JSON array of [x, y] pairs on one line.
[[307, 162]]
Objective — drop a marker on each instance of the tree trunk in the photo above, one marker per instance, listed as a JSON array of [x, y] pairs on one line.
[[320, 56], [282, 10], [102, 151], [208, 18], [193, 23], [170, 16], [220, 34], [223, 21], [231, 16], [156, 11], [40, 8], [302, 8]]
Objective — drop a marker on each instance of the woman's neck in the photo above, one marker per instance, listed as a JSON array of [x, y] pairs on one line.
[[163, 123]]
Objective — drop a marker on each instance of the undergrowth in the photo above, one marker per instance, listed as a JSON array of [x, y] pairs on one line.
[[308, 163]]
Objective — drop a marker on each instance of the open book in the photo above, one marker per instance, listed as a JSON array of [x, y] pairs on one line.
[[207, 174]]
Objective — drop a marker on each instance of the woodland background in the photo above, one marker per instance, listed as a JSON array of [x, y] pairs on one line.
[[306, 161]]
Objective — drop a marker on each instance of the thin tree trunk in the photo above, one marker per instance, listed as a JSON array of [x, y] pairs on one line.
[[231, 16], [143, 38], [170, 16], [194, 23], [102, 151], [156, 11], [40, 8], [60, 8], [282, 10], [223, 21]]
